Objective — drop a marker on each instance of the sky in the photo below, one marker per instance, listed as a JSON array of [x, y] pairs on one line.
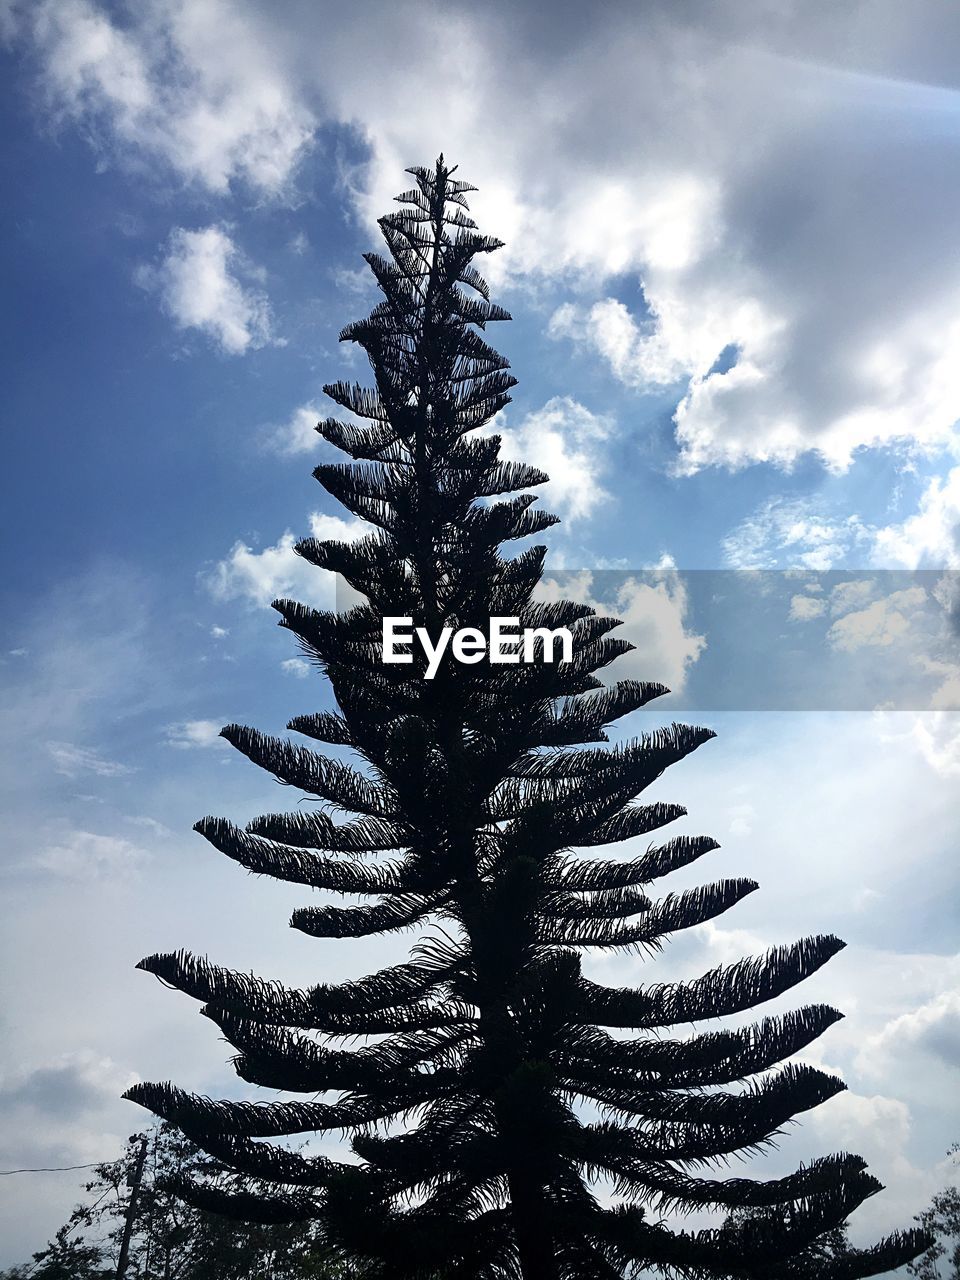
[[731, 259]]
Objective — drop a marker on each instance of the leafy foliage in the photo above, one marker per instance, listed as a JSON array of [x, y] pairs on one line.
[[499, 1087], [171, 1240], [942, 1222]]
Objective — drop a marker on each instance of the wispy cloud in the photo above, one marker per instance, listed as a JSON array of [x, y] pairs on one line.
[[71, 761], [84, 855], [794, 533]]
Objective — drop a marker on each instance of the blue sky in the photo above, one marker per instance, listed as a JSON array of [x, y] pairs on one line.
[[732, 268]]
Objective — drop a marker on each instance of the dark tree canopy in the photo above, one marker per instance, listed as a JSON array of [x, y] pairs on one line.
[[167, 1239], [486, 1084]]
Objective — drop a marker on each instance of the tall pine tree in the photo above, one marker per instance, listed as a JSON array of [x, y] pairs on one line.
[[463, 804]]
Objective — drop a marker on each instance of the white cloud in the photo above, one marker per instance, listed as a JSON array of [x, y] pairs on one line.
[[876, 1125], [205, 283], [299, 433], [219, 633], [654, 619], [277, 571], [149, 824], [933, 1027], [665, 348], [195, 85], [83, 855], [848, 595], [742, 818], [805, 608], [930, 537], [742, 176], [793, 533], [735, 169], [190, 734], [946, 697], [296, 667], [880, 624], [71, 760], [565, 440], [355, 281], [81, 683], [936, 735], [800, 532]]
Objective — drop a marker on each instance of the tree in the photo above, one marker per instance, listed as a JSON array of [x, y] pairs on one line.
[[456, 804], [941, 1221], [823, 1256], [63, 1258], [170, 1240]]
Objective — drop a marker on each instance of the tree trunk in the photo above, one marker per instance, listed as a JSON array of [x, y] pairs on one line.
[[532, 1231], [131, 1209]]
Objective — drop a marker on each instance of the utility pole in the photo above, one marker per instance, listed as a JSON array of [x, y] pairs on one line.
[[135, 1180]]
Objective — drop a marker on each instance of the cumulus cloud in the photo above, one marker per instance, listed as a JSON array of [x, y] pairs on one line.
[[654, 615], [567, 441], [767, 249], [196, 86], [299, 433], [298, 667], [874, 1124], [933, 1027], [880, 624], [805, 608], [260, 577], [931, 536], [936, 736], [753, 207], [205, 283], [851, 593], [659, 350]]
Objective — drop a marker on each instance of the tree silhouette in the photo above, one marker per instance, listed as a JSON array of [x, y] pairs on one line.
[[941, 1220], [169, 1240], [490, 1089]]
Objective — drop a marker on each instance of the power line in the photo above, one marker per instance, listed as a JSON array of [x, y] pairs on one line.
[[57, 1168]]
